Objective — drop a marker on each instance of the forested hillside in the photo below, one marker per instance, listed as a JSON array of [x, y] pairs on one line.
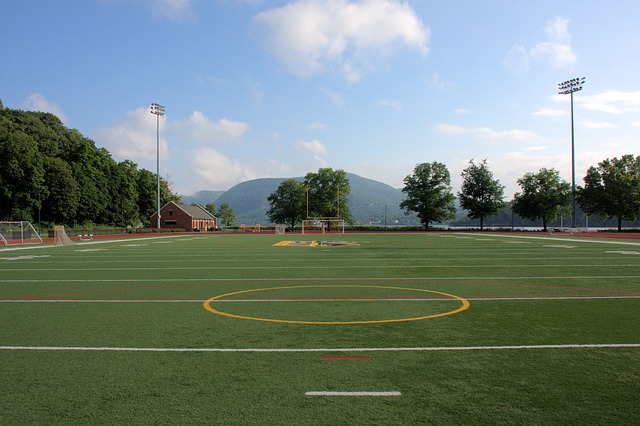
[[370, 201], [53, 174]]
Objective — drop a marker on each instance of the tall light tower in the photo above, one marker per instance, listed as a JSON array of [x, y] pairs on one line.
[[568, 88], [158, 110]]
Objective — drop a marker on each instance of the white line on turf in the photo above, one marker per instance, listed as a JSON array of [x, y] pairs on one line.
[[357, 393], [323, 267], [387, 299], [210, 280], [572, 239], [297, 350]]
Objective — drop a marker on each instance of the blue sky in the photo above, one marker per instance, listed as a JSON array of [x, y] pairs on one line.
[[257, 88]]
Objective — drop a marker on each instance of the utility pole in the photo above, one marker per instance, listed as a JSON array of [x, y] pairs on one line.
[[568, 88]]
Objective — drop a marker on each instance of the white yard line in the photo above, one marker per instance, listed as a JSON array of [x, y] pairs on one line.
[[209, 280], [382, 299], [352, 393], [564, 239], [83, 243], [301, 350], [323, 267]]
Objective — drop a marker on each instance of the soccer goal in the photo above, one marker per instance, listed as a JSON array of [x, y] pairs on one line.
[[323, 226], [60, 237], [21, 232], [280, 228], [246, 228]]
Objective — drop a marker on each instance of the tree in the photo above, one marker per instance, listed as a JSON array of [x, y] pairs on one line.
[[21, 172], [327, 192], [544, 196], [60, 202], [288, 203], [480, 194], [50, 169], [612, 189], [428, 193], [125, 197], [227, 214], [211, 208]]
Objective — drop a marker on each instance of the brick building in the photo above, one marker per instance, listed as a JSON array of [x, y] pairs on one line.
[[189, 218]]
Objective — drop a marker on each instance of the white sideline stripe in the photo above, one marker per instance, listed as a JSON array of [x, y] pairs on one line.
[[296, 350], [233, 268], [565, 239], [82, 243], [210, 280], [359, 393], [390, 299]]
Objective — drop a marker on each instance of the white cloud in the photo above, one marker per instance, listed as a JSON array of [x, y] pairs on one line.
[[317, 148], [388, 103], [219, 171], [490, 136], [133, 137], [550, 112], [199, 128], [611, 101], [311, 35], [597, 124], [173, 9], [317, 126], [555, 48], [440, 84], [336, 98], [38, 102]]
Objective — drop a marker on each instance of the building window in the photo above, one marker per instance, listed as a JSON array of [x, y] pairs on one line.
[[170, 212]]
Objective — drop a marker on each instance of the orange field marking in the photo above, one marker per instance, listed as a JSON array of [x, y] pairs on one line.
[[464, 305]]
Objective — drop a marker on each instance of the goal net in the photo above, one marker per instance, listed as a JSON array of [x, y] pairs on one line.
[[60, 237], [280, 228], [21, 232], [323, 226], [246, 228]]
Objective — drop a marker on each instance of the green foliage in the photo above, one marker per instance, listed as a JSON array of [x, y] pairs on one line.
[[480, 194], [227, 214], [211, 208], [57, 172], [21, 171], [544, 196], [288, 203], [327, 192], [613, 189], [429, 194]]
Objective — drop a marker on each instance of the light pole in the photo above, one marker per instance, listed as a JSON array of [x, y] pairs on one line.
[[568, 88], [158, 110]]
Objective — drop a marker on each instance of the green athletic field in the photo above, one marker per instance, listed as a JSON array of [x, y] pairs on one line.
[[422, 328]]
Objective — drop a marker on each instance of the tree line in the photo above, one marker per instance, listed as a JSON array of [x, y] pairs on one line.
[[52, 174], [55, 175], [611, 190]]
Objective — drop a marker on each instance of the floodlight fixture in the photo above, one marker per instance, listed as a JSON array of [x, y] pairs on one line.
[[569, 87], [157, 110]]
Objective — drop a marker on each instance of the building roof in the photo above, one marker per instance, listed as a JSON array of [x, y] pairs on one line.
[[196, 212]]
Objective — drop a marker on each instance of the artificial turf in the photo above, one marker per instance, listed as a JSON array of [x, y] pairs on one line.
[[119, 332]]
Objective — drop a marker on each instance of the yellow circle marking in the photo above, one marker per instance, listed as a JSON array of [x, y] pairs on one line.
[[208, 307]]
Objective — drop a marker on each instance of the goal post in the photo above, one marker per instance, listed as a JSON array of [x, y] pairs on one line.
[[60, 237], [323, 226], [20, 232], [280, 228]]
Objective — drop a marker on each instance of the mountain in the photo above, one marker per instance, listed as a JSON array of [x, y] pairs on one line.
[[370, 201], [202, 197]]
